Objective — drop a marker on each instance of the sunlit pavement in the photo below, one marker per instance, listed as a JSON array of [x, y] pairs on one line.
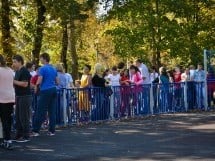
[[180, 137]]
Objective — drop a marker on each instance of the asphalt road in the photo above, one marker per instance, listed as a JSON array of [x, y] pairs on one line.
[[183, 137]]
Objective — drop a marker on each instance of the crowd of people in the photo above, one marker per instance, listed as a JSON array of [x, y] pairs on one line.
[[16, 89]]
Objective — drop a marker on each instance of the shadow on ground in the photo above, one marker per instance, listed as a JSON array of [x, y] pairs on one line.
[[189, 136]]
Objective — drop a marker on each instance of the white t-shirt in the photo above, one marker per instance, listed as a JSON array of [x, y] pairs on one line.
[[33, 73], [192, 72], [144, 73], [184, 77], [114, 79], [69, 79], [7, 93], [153, 76]]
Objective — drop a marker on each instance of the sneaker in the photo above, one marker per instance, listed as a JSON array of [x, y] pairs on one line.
[[27, 138], [50, 134], [34, 134], [7, 145], [2, 144], [22, 140]]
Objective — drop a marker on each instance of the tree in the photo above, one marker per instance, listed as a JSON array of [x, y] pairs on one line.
[[71, 13], [163, 28], [64, 46], [6, 40], [38, 36]]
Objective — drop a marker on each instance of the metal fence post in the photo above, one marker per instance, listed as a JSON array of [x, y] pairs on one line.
[[205, 82], [64, 107], [151, 99], [112, 97], [185, 96]]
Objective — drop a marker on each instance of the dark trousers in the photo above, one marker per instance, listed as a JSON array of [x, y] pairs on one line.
[[6, 111], [23, 108], [47, 102]]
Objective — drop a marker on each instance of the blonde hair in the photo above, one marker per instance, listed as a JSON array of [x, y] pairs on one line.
[[60, 68], [98, 68]]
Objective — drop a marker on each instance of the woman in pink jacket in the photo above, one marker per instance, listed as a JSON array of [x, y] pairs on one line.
[[7, 99], [136, 82], [135, 76]]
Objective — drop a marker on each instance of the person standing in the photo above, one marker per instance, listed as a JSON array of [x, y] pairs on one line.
[[62, 85], [177, 88], [192, 72], [23, 99], [70, 91], [136, 82], [7, 99], [192, 88], [114, 79], [164, 104], [154, 75], [199, 79], [125, 93], [84, 94], [185, 78], [47, 81], [186, 75], [101, 111], [31, 68], [36, 95], [143, 71], [70, 83]]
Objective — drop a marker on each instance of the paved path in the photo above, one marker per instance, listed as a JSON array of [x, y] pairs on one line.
[[169, 137]]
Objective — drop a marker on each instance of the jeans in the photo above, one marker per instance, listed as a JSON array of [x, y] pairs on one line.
[[200, 95], [47, 102]]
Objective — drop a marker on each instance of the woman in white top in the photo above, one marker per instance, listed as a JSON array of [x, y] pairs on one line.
[[7, 99], [153, 75], [186, 75], [114, 78]]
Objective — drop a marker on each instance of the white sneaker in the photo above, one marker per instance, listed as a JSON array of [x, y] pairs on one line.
[[50, 134], [34, 134]]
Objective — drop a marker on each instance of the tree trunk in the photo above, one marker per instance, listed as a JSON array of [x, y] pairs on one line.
[[64, 47], [72, 48], [6, 37], [158, 58], [38, 37], [158, 33]]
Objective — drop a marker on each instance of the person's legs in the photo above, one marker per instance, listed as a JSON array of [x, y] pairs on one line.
[[1, 114], [52, 109], [123, 101], [6, 117], [198, 95], [6, 111], [41, 110], [25, 103], [146, 97], [18, 114]]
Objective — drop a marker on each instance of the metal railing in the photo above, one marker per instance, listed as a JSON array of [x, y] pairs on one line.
[[82, 105]]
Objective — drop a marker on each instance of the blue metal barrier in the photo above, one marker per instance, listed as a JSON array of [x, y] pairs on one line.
[[82, 105]]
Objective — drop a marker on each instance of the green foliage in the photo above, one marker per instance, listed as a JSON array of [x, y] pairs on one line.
[[179, 28], [24, 27], [158, 31]]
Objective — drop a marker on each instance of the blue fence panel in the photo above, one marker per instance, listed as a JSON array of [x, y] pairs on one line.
[[100, 109], [82, 105]]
